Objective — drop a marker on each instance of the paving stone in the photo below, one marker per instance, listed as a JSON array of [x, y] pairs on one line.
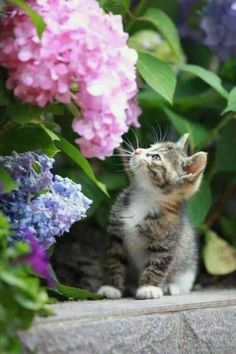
[[209, 331], [200, 322]]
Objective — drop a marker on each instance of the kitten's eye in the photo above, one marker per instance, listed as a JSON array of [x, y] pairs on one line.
[[156, 157]]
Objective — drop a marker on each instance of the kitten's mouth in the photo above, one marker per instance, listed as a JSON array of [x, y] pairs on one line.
[[135, 162]]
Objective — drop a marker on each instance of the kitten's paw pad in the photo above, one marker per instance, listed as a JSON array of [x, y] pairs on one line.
[[171, 289], [149, 292], [109, 292]]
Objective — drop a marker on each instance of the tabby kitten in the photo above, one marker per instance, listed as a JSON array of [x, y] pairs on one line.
[[149, 227]]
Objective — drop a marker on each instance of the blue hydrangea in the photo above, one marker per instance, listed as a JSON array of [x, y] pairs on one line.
[[44, 204], [218, 23], [187, 11]]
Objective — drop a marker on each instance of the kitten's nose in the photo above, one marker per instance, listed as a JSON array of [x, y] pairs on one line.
[[137, 152]]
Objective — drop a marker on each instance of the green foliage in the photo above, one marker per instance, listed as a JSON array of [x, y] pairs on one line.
[[158, 75], [21, 295], [225, 160], [23, 113], [69, 292], [6, 181], [165, 26], [75, 155], [218, 255], [199, 204], [115, 6], [30, 137], [208, 76], [198, 133], [231, 106]]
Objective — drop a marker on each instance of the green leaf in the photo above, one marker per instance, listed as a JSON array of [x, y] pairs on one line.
[[50, 132], [197, 132], [23, 113], [6, 181], [35, 17], [225, 149], [115, 6], [199, 204], [157, 74], [26, 138], [219, 257], [76, 293], [4, 231], [166, 28], [74, 153], [73, 109], [207, 76], [231, 105]]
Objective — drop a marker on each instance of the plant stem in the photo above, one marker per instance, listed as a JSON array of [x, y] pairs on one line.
[[133, 16], [219, 127], [140, 7]]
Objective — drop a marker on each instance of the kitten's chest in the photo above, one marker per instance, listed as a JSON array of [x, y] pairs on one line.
[[133, 215]]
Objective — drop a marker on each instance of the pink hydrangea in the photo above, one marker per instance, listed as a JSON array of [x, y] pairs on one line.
[[83, 45]]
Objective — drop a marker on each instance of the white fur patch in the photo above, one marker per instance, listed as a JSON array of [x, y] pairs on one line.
[[109, 292], [149, 292], [184, 281], [139, 207], [171, 289]]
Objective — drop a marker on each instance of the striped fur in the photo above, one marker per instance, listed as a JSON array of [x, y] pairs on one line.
[[149, 228]]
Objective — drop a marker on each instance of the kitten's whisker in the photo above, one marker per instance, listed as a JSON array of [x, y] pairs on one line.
[[123, 149], [155, 137], [166, 132], [123, 155], [129, 144], [160, 132], [136, 138]]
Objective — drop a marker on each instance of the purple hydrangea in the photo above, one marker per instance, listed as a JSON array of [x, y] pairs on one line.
[[218, 23], [44, 204], [186, 12], [29, 170], [37, 259]]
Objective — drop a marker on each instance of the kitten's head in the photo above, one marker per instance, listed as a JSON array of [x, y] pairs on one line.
[[165, 166]]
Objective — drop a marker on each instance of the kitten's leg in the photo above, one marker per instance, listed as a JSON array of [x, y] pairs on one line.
[[159, 261], [153, 276], [115, 270], [180, 283]]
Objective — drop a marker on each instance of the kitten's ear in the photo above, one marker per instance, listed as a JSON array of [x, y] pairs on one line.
[[183, 142], [194, 166]]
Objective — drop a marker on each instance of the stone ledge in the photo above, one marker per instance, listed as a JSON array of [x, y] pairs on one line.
[[200, 322]]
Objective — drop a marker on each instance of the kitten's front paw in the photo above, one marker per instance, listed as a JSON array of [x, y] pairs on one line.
[[109, 292], [149, 292]]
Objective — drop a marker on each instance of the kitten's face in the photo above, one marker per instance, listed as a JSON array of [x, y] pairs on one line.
[[167, 167]]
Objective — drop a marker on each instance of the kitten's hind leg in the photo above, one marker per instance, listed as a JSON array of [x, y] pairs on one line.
[[180, 283]]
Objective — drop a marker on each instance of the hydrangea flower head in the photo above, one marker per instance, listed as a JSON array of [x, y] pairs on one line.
[[48, 208], [83, 45], [187, 8], [218, 23]]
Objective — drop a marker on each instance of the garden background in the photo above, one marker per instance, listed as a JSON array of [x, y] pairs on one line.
[[185, 83]]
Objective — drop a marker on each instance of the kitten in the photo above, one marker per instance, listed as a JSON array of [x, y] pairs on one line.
[[149, 226]]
